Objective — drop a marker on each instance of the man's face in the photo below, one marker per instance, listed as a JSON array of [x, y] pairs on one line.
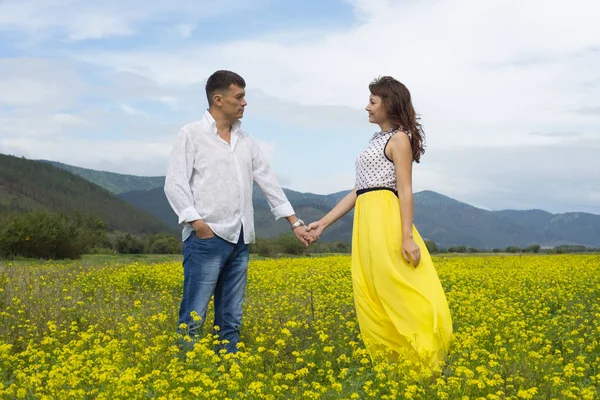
[[232, 102]]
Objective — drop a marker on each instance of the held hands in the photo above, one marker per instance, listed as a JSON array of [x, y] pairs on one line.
[[304, 236], [309, 234], [411, 252], [316, 228]]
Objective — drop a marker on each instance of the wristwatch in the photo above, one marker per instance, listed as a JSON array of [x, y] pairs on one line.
[[298, 223]]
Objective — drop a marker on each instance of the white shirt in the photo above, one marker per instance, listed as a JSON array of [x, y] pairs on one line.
[[212, 180]]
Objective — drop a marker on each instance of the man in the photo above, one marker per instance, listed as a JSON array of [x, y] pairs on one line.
[[209, 184]]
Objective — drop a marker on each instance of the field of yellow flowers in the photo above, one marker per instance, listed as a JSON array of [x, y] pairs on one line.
[[526, 327]]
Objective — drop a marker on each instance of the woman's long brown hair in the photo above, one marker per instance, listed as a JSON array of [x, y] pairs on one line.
[[398, 105]]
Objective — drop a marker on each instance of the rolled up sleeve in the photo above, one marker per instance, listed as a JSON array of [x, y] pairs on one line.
[[283, 210]]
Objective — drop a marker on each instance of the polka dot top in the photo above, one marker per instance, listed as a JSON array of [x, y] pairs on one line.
[[373, 168]]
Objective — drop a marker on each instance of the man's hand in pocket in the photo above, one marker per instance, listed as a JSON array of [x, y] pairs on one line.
[[202, 229]]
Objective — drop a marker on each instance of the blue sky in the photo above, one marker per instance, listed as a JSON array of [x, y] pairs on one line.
[[510, 104]]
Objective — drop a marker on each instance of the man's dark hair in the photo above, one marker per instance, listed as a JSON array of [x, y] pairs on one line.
[[220, 82]]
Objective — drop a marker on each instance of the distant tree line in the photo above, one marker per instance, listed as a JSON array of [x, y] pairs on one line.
[[47, 235], [288, 244], [534, 248]]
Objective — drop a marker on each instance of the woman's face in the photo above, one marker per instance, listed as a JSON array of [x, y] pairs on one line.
[[376, 110]]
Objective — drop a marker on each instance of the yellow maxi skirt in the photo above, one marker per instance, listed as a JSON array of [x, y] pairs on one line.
[[402, 310]]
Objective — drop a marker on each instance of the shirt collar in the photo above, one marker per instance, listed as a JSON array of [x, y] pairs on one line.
[[213, 124]]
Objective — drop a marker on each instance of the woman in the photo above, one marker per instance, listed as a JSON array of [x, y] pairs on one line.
[[400, 303]]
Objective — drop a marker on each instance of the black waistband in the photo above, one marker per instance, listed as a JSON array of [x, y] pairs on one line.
[[363, 191]]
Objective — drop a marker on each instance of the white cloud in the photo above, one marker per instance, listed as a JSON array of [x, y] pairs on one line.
[[95, 26], [368, 8], [475, 81], [37, 124], [131, 111], [593, 110], [70, 120], [45, 84], [82, 20], [185, 30], [48, 98], [74, 19], [316, 117], [268, 149], [146, 158]]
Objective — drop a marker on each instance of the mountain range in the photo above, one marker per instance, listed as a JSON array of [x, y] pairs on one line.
[[446, 221], [138, 205], [32, 185]]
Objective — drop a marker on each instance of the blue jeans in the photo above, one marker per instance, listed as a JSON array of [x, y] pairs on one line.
[[214, 266]]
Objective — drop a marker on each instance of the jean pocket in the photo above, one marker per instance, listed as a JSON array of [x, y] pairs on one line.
[[203, 239]]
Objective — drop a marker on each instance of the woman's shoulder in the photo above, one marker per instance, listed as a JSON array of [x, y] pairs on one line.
[[400, 137], [400, 134]]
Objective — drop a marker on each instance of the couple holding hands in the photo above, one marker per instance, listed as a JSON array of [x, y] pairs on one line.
[[400, 304]]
